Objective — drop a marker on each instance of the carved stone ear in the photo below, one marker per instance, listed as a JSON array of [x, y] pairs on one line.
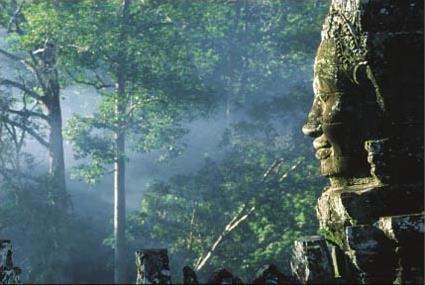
[[377, 152], [362, 79], [359, 73], [395, 160]]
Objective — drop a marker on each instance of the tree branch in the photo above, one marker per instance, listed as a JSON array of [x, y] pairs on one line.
[[235, 222], [5, 172], [10, 55], [138, 104], [28, 113], [22, 87], [30, 131], [14, 18], [240, 216], [37, 72], [110, 85], [17, 58], [98, 84], [290, 170], [12, 132], [273, 167]]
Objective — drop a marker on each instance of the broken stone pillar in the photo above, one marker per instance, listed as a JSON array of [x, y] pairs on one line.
[[407, 232], [8, 273], [152, 266], [368, 129], [311, 262], [372, 254], [189, 276], [269, 274], [223, 276]]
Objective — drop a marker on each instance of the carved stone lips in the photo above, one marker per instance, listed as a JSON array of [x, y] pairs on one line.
[[323, 153], [323, 148]]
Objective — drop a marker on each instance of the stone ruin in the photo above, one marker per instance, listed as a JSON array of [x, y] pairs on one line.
[[9, 274], [367, 124], [153, 268], [368, 128]]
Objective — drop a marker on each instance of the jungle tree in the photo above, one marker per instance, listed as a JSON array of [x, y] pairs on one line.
[[33, 90], [246, 209], [136, 56]]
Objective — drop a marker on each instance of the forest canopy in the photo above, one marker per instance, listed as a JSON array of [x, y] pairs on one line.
[[210, 94]]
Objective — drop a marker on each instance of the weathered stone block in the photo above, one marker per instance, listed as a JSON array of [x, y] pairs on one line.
[[223, 276], [367, 238], [311, 262], [189, 276], [269, 274], [388, 15], [6, 254], [364, 278], [406, 230], [333, 216], [368, 205], [8, 273], [339, 261], [152, 266], [372, 253], [411, 264], [339, 208]]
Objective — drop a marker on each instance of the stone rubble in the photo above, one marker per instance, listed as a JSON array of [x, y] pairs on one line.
[[152, 266], [9, 274]]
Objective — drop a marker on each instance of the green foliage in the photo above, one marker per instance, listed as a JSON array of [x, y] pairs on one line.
[[28, 211], [189, 212], [259, 59], [50, 245], [174, 61], [148, 55], [31, 213]]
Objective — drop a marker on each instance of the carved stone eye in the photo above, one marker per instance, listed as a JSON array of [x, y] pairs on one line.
[[323, 97]]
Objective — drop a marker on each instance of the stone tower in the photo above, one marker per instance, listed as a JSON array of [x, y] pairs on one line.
[[367, 124]]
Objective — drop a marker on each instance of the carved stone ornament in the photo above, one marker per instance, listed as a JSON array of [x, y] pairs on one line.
[[368, 128]]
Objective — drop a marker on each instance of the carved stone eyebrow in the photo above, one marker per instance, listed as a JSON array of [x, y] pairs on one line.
[[324, 96]]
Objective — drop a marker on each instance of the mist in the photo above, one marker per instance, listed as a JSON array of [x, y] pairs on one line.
[[252, 79]]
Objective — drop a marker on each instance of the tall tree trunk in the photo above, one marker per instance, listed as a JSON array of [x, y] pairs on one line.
[[119, 165], [49, 80], [119, 208], [233, 60], [56, 153]]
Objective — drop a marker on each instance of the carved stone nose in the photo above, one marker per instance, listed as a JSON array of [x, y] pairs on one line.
[[312, 130]]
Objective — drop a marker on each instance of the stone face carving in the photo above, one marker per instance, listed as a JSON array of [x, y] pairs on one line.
[[364, 92], [367, 124], [336, 123]]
